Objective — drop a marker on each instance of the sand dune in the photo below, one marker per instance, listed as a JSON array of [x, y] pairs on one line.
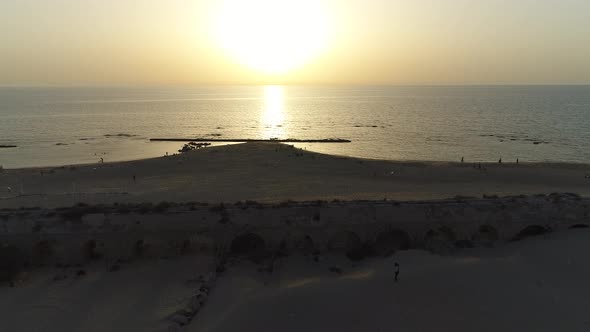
[[539, 284], [271, 172], [139, 297]]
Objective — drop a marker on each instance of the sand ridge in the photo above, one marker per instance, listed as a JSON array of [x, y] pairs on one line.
[[272, 172]]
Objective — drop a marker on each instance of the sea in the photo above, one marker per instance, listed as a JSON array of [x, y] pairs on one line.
[[53, 126]]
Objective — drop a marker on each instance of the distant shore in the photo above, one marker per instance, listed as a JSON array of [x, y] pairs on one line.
[[251, 140]]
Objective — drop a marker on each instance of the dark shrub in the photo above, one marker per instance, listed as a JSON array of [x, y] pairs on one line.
[[532, 230], [250, 246], [359, 253], [388, 242]]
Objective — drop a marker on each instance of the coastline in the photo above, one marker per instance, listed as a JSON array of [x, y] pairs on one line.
[[136, 222], [272, 172]]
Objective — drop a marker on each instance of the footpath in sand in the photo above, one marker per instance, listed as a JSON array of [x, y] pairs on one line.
[[272, 172], [141, 296], [538, 284]]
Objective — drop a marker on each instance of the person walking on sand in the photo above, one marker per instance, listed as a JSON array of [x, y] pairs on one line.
[[133, 178], [396, 267]]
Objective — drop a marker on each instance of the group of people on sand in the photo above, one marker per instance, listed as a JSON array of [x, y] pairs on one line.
[[480, 167]]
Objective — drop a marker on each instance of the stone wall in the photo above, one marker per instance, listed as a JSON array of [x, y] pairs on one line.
[[80, 233]]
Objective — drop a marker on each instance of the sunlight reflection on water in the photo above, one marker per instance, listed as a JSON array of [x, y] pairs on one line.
[[274, 108]]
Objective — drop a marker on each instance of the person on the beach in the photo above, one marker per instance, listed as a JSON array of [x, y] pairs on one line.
[[396, 266], [133, 178], [462, 159], [500, 161]]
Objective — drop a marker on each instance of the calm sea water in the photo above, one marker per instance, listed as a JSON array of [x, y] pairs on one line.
[[56, 126]]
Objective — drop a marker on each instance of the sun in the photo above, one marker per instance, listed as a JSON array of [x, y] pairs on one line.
[[271, 36]]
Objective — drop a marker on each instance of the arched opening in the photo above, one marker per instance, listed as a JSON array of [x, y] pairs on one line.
[[42, 251], [345, 240], [249, 245], [351, 244], [531, 230], [440, 240], [579, 226], [90, 250], [486, 235], [307, 245], [388, 242]]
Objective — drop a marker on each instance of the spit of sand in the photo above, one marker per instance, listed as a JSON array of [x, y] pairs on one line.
[[272, 172]]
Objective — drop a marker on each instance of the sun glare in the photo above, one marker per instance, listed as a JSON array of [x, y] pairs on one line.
[[272, 36]]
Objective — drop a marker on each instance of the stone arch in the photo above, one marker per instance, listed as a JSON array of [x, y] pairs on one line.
[[248, 245], [441, 239], [486, 235], [531, 230], [344, 240], [351, 244], [302, 243], [389, 241]]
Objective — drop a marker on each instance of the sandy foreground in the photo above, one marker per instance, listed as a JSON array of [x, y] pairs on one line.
[[141, 296], [538, 284], [271, 172]]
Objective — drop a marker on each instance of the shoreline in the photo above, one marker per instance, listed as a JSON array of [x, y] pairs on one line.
[[409, 162], [273, 172]]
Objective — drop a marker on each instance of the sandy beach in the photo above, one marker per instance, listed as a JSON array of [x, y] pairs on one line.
[[294, 166], [539, 284], [533, 284], [270, 172]]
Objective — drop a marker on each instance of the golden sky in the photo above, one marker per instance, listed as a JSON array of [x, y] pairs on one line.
[[122, 42]]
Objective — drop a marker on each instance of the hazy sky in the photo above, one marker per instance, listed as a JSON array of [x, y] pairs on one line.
[[119, 42]]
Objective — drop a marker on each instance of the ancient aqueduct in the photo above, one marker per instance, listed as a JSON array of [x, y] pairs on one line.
[[70, 235]]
